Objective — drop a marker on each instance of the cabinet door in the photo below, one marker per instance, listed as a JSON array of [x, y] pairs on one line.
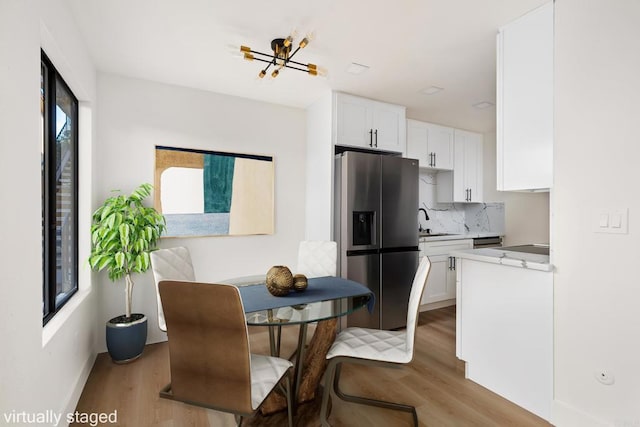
[[440, 145], [389, 127], [525, 102], [451, 278], [436, 289], [353, 121], [464, 184], [431, 144], [472, 165], [417, 142], [441, 284]]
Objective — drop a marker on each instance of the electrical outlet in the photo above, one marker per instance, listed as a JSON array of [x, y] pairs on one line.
[[604, 377]]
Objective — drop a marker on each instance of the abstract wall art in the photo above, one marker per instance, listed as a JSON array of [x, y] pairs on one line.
[[214, 193]]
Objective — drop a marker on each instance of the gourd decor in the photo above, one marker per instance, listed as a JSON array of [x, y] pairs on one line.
[[300, 282], [279, 280]]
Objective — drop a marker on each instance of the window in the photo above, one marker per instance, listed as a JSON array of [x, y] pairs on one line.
[[59, 114]]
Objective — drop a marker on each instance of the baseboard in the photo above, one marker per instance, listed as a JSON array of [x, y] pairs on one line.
[[565, 415], [436, 305], [74, 397]]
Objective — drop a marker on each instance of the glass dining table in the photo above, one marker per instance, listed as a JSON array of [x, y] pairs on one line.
[[325, 298]]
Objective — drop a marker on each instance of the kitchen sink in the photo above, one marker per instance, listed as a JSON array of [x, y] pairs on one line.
[[436, 234]]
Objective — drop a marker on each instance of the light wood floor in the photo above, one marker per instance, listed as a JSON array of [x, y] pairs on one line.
[[434, 383]]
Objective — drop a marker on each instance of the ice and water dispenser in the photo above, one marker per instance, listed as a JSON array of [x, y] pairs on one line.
[[363, 228]]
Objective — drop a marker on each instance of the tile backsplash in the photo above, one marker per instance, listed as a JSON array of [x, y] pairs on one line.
[[457, 217]]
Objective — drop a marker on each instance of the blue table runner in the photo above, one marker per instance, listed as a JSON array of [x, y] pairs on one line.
[[257, 297]]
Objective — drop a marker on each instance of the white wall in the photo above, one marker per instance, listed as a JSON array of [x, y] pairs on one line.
[[40, 368], [136, 115], [526, 215], [597, 291], [319, 170]]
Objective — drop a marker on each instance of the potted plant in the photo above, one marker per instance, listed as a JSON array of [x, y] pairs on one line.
[[123, 233]]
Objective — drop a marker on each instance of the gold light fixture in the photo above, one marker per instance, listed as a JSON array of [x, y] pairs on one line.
[[281, 57]]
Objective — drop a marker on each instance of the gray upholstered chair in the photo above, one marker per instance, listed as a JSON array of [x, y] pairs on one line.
[[377, 347], [210, 359], [170, 264], [317, 258]]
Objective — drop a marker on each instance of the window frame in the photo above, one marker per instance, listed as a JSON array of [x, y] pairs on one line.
[[49, 200]]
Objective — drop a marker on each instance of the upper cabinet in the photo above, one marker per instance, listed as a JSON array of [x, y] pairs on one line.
[[525, 102], [365, 123], [431, 144], [464, 183]]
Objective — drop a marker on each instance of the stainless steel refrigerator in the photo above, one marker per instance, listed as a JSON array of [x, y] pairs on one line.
[[376, 228]]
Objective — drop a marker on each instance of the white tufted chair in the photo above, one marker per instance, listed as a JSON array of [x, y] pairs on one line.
[[317, 258], [373, 346], [170, 264]]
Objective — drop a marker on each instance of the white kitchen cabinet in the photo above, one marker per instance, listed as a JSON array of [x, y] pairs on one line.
[[525, 102], [366, 123], [441, 283], [431, 144], [464, 183], [504, 331]]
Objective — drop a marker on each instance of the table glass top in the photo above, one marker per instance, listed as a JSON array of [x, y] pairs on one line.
[[307, 313], [300, 313]]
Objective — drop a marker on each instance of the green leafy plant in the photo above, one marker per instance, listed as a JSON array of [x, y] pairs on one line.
[[123, 233]]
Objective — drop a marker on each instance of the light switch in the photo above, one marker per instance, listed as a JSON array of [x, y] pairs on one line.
[[616, 220], [604, 220]]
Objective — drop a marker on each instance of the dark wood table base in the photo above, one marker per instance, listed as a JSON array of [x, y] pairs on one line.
[[315, 363], [307, 414]]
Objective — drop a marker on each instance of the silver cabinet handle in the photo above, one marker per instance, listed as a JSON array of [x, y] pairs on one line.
[[370, 137], [470, 194], [430, 159], [376, 132], [449, 259], [435, 159], [454, 262]]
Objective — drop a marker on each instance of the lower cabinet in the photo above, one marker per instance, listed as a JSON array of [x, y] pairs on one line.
[[441, 283]]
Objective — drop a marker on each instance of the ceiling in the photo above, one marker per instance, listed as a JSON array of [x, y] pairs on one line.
[[409, 45]]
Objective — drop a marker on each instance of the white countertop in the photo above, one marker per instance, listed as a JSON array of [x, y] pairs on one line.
[[471, 235], [505, 257]]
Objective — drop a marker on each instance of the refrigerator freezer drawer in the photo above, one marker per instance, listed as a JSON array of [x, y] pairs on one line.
[[365, 268], [398, 269]]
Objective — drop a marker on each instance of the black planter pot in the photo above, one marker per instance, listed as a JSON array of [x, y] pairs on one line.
[[126, 337]]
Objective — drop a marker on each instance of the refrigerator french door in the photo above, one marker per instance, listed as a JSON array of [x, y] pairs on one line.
[[375, 225]]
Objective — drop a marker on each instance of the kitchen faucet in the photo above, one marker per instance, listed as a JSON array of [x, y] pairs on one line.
[[426, 216]]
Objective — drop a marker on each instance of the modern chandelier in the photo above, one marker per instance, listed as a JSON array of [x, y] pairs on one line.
[[281, 57]]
